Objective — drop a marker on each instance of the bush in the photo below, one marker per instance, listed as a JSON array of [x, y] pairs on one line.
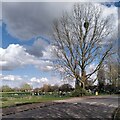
[[65, 88], [4, 99], [15, 94], [79, 92]]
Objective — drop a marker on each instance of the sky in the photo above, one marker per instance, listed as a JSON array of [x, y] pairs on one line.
[[25, 49]]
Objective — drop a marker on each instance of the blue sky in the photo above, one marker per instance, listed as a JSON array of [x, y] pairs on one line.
[[8, 39], [26, 43], [28, 70]]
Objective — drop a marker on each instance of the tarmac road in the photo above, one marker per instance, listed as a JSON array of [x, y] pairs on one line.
[[101, 107], [107, 100]]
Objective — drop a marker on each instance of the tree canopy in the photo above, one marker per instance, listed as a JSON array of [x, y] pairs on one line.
[[82, 38]]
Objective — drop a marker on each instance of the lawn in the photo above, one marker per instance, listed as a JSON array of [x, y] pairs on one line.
[[8, 99], [13, 101]]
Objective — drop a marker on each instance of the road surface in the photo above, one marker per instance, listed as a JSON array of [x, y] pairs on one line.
[[107, 100], [101, 107]]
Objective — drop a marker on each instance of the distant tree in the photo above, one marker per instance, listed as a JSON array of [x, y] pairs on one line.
[[65, 88], [26, 87], [36, 90], [101, 79], [16, 89], [112, 72], [46, 88], [6, 88], [0, 89], [54, 88]]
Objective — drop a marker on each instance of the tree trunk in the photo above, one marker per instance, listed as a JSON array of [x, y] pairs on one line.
[[83, 85], [83, 78], [77, 83]]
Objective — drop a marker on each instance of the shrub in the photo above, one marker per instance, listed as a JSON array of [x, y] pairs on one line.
[[4, 99], [79, 92]]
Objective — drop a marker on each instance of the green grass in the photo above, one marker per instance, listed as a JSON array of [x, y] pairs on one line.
[[11, 101], [13, 94]]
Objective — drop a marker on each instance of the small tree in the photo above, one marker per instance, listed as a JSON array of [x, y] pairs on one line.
[[112, 72], [54, 88], [6, 88], [46, 88], [26, 87], [65, 88]]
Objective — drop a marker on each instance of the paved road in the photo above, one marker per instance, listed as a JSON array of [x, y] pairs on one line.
[[73, 108], [109, 100]]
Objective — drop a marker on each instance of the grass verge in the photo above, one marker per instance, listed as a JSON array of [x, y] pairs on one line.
[[11, 101]]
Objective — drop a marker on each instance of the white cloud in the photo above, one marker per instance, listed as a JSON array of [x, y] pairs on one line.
[[17, 81], [111, 11], [48, 53], [15, 56], [44, 65], [41, 80], [53, 80], [10, 77]]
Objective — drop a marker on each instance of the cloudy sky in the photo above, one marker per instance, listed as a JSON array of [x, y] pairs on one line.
[[25, 52]]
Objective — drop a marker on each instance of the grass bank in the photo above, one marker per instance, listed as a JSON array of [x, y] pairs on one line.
[[11, 101]]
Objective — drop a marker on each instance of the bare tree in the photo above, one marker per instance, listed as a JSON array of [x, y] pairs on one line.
[[82, 38], [112, 68]]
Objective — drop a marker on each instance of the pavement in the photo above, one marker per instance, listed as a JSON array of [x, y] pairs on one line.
[[107, 100], [101, 107]]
